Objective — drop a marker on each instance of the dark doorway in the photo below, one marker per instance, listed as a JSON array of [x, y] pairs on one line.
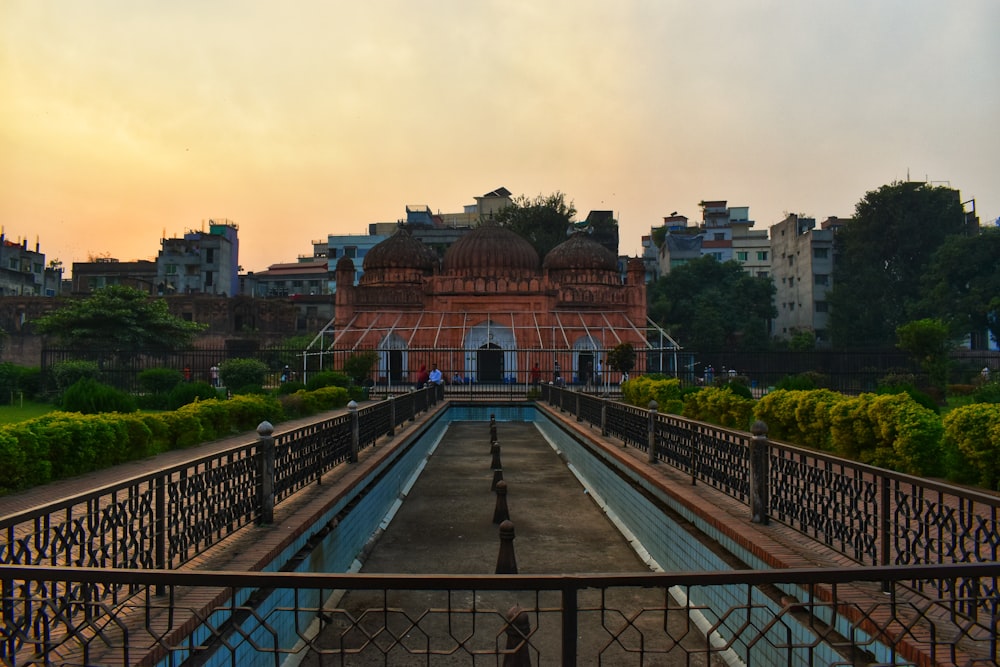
[[489, 362], [395, 366], [585, 367]]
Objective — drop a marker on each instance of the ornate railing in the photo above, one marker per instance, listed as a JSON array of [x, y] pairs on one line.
[[165, 518], [808, 617], [872, 515]]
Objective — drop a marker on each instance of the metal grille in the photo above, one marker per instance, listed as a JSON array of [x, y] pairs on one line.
[[814, 617]]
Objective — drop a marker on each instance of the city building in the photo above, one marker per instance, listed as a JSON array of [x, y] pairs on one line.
[[106, 271], [802, 271], [200, 262], [307, 277], [490, 309], [23, 272]]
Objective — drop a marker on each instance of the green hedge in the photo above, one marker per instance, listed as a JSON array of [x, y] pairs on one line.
[[666, 392], [59, 445], [972, 444], [719, 405]]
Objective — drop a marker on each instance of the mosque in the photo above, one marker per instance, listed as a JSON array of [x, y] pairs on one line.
[[491, 309]]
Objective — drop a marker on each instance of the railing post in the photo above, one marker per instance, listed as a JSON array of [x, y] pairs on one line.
[[392, 416], [265, 449], [578, 417], [651, 433], [760, 465], [569, 624], [160, 559], [604, 416], [352, 408]]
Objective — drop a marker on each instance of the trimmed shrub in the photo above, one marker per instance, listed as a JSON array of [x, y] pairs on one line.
[[802, 381], [719, 406], [327, 379], [988, 393], [666, 392], [890, 431], [189, 392], [972, 444], [159, 380], [799, 417], [290, 387], [24, 460], [91, 397], [67, 373], [242, 373]]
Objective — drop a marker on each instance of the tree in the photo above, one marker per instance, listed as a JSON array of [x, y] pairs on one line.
[[882, 254], [543, 221], [928, 342], [118, 321], [622, 358], [710, 305], [962, 284]]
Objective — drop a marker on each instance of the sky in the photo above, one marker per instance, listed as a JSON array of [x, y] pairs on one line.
[[126, 121]]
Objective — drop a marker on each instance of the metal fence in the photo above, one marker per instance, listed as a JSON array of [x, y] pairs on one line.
[[86, 579], [500, 373], [831, 617]]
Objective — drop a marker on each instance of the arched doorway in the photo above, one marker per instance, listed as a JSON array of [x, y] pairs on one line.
[[489, 361], [392, 359]]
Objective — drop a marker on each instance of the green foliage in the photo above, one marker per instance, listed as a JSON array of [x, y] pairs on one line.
[[918, 396], [712, 305], [304, 403], [802, 381], [290, 387], [189, 392], [118, 321], [91, 397], [159, 380], [327, 379], [621, 358], [890, 431], [882, 256], [242, 373], [799, 416], [359, 366], [666, 392], [719, 406], [962, 283], [16, 381], [988, 392], [24, 459], [972, 442], [928, 342], [67, 373], [543, 221], [802, 341]]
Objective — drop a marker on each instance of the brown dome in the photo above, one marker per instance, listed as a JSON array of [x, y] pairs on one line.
[[400, 251], [345, 263], [491, 250], [579, 251]]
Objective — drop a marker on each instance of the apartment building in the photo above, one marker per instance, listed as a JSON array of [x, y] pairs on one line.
[[802, 271], [23, 271], [200, 262]]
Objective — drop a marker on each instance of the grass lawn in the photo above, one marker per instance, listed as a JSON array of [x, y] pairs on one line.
[[10, 414]]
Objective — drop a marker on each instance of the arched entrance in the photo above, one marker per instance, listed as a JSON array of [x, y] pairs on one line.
[[489, 361], [490, 352], [585, 359], [392, 359]]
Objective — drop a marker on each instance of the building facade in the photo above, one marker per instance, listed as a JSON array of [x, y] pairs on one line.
[[802, 271], [23, 271], [200, 262], [490, 310]]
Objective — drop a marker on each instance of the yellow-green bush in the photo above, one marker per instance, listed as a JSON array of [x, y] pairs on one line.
[[972, 443], [890, 431], [665, 391], [719, 406], [799, 416], [25, 459]]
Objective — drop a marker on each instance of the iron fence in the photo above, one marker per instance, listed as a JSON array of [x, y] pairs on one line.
[[809, 617], [872, 515]]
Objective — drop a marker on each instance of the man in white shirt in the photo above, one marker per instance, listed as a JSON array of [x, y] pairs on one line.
[[435, 376]]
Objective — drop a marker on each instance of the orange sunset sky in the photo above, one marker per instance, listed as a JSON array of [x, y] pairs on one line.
[[124, 120]]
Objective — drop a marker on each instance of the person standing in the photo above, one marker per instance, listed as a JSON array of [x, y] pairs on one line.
[[435, 375], [213, 373], [536, 375], [423, 377], [556, 373]]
